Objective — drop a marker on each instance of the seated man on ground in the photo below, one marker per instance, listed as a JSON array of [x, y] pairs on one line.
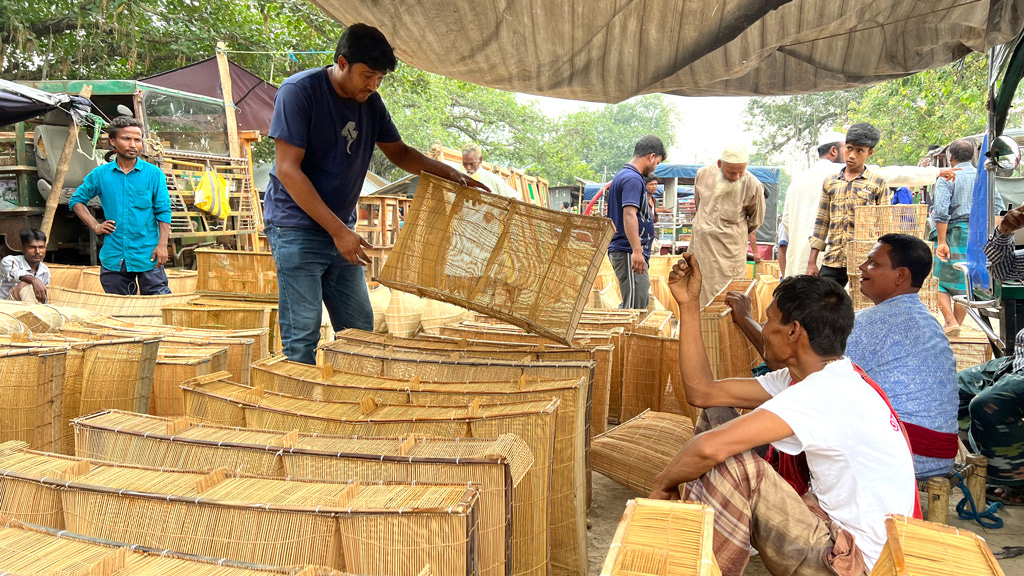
[[818, 403], [901, 346], [992, 394], [25, 277]]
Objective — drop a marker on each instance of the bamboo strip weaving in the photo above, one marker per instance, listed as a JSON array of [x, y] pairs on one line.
[[634, 453], [919, 548], [660, 538]]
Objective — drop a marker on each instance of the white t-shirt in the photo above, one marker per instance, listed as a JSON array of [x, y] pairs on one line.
[[861, 468]]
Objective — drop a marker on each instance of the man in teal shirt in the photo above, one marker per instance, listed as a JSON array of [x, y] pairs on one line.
[[137, 208]]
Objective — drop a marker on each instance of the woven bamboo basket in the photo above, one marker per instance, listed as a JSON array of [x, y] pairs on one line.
[[66, 276], [261, 336], [31, 390], [969, 352], [33, 549], [138, 309], [437, 313], [534, 422], [34, 317], [919, 548], [634, 453], [239, 349], [651, 378], [404, 313], [870, 222], [175, 366], [236, 274], [178, 281], [526, 265], [383, 528], [659, 538], [271, 307], [497, 465], [380, 299]]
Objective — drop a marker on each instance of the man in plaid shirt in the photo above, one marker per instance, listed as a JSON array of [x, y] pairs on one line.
[[841, 194]]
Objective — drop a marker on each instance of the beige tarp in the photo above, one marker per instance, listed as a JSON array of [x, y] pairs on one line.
[[610, 50]]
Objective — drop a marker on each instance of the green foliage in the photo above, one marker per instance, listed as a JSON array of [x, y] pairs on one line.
[[794, 122]]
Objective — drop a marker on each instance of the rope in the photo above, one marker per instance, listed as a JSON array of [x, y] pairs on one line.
[[986, 519]]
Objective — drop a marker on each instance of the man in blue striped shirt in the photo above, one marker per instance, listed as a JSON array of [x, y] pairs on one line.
[[137, 211]]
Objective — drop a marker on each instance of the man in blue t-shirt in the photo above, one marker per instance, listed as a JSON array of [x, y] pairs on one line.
[[630, 210], [325, 125]]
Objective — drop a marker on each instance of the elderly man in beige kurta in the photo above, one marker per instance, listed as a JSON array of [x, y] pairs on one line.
[[730, 206]]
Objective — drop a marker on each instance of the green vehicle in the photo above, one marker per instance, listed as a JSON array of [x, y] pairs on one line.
[[186, 135]]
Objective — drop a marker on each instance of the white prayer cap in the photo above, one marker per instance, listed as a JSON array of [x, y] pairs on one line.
[[735, 154], [831, 138]]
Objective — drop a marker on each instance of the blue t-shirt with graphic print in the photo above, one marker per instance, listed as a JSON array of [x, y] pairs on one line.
[[338, 135]]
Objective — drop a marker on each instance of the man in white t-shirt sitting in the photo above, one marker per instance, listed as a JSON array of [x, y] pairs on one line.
[[819, 404]]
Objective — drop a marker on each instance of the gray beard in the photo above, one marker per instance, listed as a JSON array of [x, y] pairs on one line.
[[726, 189]]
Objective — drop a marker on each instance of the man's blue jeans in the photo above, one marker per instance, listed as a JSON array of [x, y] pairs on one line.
[[310, 270]]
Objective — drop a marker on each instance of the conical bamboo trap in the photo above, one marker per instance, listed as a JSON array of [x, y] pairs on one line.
[[176, 365], [100, 375], [634, 453], [534, 422], [381, 528], [139, 309], [239, 343], [35, 317], [497, 465], [236, 274], [11, 325], [31, 549], [660, 538], [179, 282], [526, 265], [31, 393], [918, 548], [380, 299], [404, 313]]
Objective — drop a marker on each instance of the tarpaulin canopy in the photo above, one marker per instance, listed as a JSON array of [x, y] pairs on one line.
[[19, 103], [610, 50], [763, 175]]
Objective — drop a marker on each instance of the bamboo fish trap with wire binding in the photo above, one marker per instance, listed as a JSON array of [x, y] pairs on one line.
[[31, 390], [239, 345], [918, 548], [534, 422], [656, 323], [730, 353], [437, 313], [11, 325], [99, 375], [236, 274], [497, 465], [661, 538], [176, 365], [139, 309], [31, 549], [529, 266], [379, 528], [634, 453]]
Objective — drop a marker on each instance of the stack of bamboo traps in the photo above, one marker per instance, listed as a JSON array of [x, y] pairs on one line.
[[660, 538], [244, 346], [370, 528], [175, 365], [31, 549], [213, 400], [66, 275], [236, 274], [919, 548], [207, 316], [526, 265], [498, 465], [970, 352], [31, 392], [44, 317], [871, 222], [929, 293], [98, 375], [138, 309], [634, 453], [178, 281]]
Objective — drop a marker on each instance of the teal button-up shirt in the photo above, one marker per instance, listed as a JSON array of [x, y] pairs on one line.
[[136, 202]]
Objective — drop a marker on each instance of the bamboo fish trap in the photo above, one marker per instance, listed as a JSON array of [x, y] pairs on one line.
[[380, 528], [497, 465], [208, 399], [220, 317], [656, 323], [526, 265], [35, 317], [139, 309], [638, 450], [404, 314], [32, 549], [270, 306], [11, 325], [66, 276], [651, 378], [870, 222], [179, 282], [659, 538], [176, 365], [236, 274], [31, 390], [918, 548], [380, 299], [437, 313]]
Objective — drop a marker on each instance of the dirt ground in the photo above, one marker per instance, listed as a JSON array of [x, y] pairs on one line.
[[609, 501]]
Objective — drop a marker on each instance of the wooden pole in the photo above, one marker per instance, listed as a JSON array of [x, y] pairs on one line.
[[229, 103], [976, 479], [938, 500], [62, 169]]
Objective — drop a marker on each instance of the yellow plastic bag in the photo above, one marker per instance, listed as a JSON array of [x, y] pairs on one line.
[[212, 195]]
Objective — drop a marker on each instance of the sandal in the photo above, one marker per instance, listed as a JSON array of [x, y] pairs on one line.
[[952, 332], [1006, 495]]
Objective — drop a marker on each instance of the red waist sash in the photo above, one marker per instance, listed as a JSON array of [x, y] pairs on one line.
[[929, 443]]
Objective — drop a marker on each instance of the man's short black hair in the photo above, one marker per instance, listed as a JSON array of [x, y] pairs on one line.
[[650, 144], [121, 122], [32, 235], [961, 151], [822, 307], [650, 178], [364, 44], [824, 148], [863, 134], [910, 252]]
